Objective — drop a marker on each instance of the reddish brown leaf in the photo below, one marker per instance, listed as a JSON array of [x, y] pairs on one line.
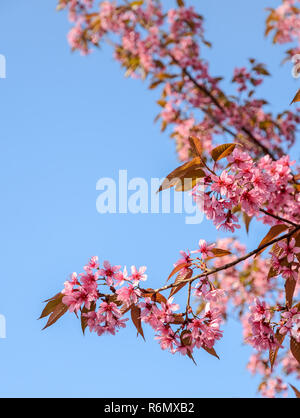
[[297, 237], [247, 219], [211, 351], [58, 312], [222, 151], [186, 337], [177, 269], [180, 281], [184, 171], [154, 296], [289, 286], [272, 273], [219, 252], [190, 355], [125, 309], [296, 391], [83, 319], [51, 305], [188, 183], [296, 98], [136, 319], [295, 349], [196, 145], [273, 353], [178, 319], [273, 233]]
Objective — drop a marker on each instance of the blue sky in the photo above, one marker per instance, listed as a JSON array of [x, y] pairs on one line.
[[67, 121]]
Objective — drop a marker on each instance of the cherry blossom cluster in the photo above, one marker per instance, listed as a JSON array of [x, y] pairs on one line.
[[104, 312], [283, 22], [167, 47], [247, 186]]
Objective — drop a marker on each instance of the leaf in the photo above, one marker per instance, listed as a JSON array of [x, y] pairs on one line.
[[273, 353], [296, 98], [137, 3], [83, 319], [272, 273], [186, 337], [211, 351], [58, 312], [222, 151], [219, 252], [154, 296], [136, 319], [178, 319], [260, 69], [125, 309], [289, 286], [247, 219], [114, 298], [176, 269], [184, 171], [180, 3], [295, 349], [200, 308], [297, 392], [298, 245], [187, 184], [190, 355], [155, 84], [273, 233], [180, 281], [51, 305], [196, 145]]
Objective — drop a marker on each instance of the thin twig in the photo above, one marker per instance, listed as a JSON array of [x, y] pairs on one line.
[[204, 90], [233, 263], [279, 218]]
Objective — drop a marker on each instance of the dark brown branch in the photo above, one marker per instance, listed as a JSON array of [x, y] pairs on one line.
[[279, 218], [204, 90], [233, 263]]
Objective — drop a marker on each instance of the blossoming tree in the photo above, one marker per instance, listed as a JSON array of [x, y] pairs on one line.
[[249, 178]]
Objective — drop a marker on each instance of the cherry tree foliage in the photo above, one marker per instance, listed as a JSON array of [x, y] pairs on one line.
[[238, 150]]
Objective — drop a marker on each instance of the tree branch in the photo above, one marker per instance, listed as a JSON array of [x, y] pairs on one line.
[[233, 263], [279, 218], [204, 90]]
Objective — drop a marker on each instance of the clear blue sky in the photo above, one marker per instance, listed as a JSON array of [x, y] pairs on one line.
[[66, 121]]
